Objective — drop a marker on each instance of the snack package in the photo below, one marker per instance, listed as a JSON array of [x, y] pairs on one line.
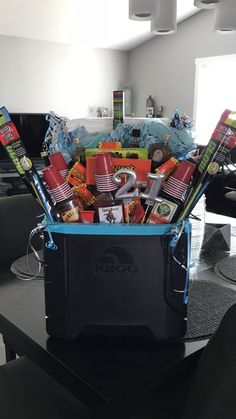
[[133, 153]]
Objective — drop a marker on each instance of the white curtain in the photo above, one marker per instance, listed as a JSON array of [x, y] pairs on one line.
[[215, 91]]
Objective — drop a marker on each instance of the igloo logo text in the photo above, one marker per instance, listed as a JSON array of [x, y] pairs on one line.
[[116, 260]]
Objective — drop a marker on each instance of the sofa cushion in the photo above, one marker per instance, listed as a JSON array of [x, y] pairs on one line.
[[18, 216]]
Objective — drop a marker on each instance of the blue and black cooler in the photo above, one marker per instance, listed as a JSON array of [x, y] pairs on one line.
[[114, 279]]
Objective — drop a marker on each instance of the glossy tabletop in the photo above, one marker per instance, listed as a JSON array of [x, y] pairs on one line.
[[101, 372]]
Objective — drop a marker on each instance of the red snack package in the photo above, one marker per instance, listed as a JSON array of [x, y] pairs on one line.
[[86, 216], [136, 211], [77, 174], [82, 192]]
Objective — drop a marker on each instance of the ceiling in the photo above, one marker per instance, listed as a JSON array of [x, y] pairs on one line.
[[93, 23]]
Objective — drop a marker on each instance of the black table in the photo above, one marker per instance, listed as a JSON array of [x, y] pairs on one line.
[[112, 376]]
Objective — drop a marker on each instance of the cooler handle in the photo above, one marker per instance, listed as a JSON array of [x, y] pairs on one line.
[[178, 231]]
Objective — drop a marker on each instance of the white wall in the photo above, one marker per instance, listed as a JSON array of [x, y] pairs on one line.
[[165, 65], [38, 76]]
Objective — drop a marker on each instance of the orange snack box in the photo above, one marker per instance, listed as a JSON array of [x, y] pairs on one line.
[[109, 145]]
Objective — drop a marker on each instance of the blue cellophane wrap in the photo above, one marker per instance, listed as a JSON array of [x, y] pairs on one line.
[[181, 142]]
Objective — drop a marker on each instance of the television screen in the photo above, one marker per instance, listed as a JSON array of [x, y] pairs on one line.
[[32, 128]]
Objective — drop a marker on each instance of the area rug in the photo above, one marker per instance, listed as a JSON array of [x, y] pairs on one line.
[[226, 269], [208, 302], [27, 268]]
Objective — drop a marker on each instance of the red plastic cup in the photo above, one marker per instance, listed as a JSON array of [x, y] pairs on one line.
[[107, 176], [175, 182], [64, 172], [57, 160], [62, 196], [105, 185], [173, 191], [178, 182], [104, 164], [63, 187], [52, 177], [184, 171], [59, 191]]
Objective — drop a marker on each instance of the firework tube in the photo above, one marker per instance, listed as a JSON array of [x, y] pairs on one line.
[[198, 189], [10, 139], [6, 131], [222, 140]]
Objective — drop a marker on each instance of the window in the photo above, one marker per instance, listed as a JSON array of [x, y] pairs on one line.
[[215, 91]]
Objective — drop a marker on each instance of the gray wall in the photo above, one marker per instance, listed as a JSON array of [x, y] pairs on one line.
[[165, 65], [40, 76]]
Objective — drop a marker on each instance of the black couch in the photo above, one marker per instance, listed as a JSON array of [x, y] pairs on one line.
[[18, 216], [216, 201], [26, 391]]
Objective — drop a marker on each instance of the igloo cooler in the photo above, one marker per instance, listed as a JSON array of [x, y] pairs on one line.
[[114, 279]]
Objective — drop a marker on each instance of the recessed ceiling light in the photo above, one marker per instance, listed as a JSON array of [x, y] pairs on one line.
[[165, 22], [206, 4], [142, 9], [225, 21]]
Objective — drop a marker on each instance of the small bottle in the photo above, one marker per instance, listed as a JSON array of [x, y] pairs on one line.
[[159, 111], [173, 195], [107, 209], [45, 155], [104, 199], [150, 107], [135, 138], [69, 209], [57, 160], [159, 153], [45, 158], [79, 151], [68, 206]]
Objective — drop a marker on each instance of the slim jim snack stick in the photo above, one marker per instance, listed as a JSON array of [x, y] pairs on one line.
[[222, 140], [10, 139]]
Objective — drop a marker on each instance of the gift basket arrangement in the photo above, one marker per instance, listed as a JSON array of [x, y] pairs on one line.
[[116, 229], [134, 174]]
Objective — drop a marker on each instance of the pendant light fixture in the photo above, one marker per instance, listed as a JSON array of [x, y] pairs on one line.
[[206, 4], [225, 20], [142, 9], [165, 21]]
